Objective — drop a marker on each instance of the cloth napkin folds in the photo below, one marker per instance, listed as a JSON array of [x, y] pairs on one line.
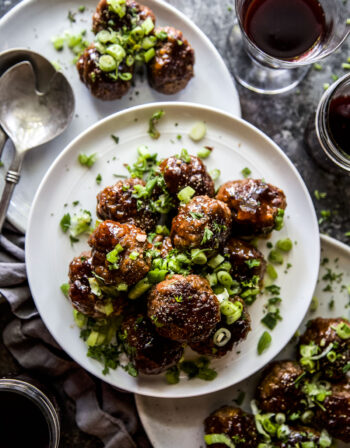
[[115, 421]]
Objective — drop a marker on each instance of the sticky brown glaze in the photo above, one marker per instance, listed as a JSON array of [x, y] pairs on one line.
[[179, 174], [336, 417], [238, 425], [183, 309], [254, 205], [298, 435], [132, 239], [105, 18], [117, 202], [239, 253], [172, 67], [80, 294], [166, 246], [239, 331], [277, 391], [151, 353], [202, 223], [100, 84], [321, 332]]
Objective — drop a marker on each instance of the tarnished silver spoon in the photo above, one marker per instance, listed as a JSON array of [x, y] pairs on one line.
[[30, 118]]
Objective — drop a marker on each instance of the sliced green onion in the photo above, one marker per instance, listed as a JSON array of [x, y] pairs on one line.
[[246, 172], [129, 60], [225, 278], [284, 245], [184, 156], [279, 219], [332, 356], [122, 287], [157, 275], [325, 440], [58, 43], [117, 6], [215, 174], [103, 36], [264, 342], [95, 338], [307, 417], [134, 255], [161, 35], [137, 33], [198, 256], [140, 288], [343, 330], [198, 131], [211, 439], [94, 286], [225, 266], [79, 318], [282, 431], [126, 76], [221, 337], [147, 25], [148, 42], [237, 314], [275, 257], [117, 52], [216, 261], [271, 272], [280, 418], [222, 295], [212, 279], [203, 153], [149, 54], [107, 63], [186, 194], [172, 375]]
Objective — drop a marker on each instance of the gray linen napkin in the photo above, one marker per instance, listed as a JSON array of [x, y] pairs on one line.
[[113, 418]]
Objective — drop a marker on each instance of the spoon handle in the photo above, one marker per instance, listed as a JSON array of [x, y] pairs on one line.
[[3, 138], [12, 178]]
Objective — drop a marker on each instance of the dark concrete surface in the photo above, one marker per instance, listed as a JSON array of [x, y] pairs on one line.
[[282, 117]]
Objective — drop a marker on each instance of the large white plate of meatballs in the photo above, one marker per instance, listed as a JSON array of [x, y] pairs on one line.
[[172, 250], [301, 399], [151, 53]]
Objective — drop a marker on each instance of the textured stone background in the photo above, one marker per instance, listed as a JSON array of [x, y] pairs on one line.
[[283, 118]]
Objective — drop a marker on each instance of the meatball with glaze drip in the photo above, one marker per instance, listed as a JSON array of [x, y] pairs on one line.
[[179, 174], [119, 253], [183, 309], [80, 294], [203, 223], [118, 203], [255, 206], [172, 67], [151, 353]]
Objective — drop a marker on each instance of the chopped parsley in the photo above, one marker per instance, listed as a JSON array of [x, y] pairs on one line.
[[98, 179], [115, 138], [195, 215], [252, 263], [207, 235], [71, 16], [65, 222]]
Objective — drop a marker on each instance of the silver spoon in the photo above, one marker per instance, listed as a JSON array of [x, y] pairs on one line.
[[30, 118], [44, 71]]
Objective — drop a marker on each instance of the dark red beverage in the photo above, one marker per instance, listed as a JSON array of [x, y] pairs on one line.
[[339, 122], [22, 424], [285, 29]]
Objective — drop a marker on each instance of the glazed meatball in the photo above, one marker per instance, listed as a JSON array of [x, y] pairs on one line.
[[119, 253], [80, 294], [236, 424], [183, 309], [150, 353], [105, 17], [254, 204], [335, 417], [202, 223], [299, 435], [179, 174], [246, 260], [320, 333], [172, 67], [100, 83], [238, 331], [118, 203], [278, 390]]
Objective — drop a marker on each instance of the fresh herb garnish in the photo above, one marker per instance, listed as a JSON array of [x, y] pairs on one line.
[[86, 160], [246, 172], [152, 130], [264, 342], [115, 138]]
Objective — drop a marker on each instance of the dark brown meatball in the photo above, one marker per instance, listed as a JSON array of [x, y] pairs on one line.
[[243, 257], [298, 435], [322, 333], [202, 223], [239, 331], [179, 174], [80, 294], [118, 203], [184, 309], [254, 204], [236, 424], [150, 353], [277, 390], [336, 416], [105, 17], [172, 67], [100, 83], [124, 243]]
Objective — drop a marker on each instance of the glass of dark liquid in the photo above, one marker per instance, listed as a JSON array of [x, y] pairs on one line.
[[332, 123], [28, 418], [275, 41]]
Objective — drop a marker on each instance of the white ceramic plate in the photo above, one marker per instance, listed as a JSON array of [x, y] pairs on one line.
[[237, 145], [33, 23], [174, 423]]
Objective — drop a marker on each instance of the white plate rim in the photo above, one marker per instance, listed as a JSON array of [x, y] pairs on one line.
[[11, 216], [179, 105], [325, 240]]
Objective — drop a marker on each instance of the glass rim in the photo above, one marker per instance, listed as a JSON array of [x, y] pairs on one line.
[[43, 402], [287, 63], [322, 132]]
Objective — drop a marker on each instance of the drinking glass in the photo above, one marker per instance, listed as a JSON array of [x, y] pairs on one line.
[[263, 73]]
